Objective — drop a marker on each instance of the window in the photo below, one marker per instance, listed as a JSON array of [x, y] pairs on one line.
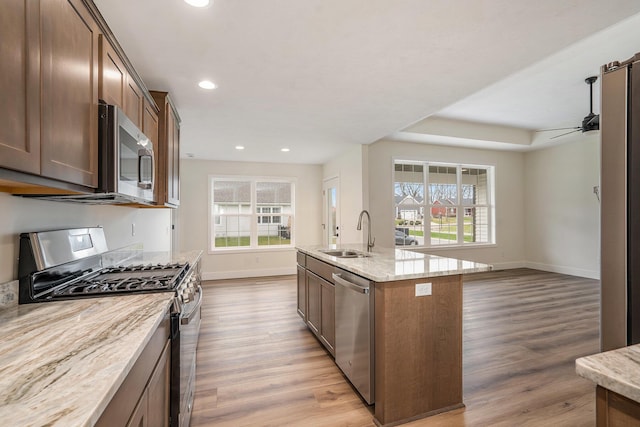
[[438, 204], [251, 213]]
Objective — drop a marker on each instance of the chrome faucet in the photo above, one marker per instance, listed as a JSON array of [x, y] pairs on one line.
[[370, 242]]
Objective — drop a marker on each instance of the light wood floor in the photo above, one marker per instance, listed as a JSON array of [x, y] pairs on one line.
[[258, 365]]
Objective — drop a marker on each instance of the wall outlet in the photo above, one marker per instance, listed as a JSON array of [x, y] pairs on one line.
[[133, 228], [423, 289]]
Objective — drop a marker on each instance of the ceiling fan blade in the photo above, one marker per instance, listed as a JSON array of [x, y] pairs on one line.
[[567, 133], [549, 130]]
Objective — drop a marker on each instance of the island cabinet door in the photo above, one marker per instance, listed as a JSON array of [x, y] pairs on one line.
[[328, 314], [302, 293], [314, 307], [615, 410]]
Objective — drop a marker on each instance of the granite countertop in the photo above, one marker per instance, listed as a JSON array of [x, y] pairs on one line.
[[616, 370], [391, 264], [62, 362], [126, 256]]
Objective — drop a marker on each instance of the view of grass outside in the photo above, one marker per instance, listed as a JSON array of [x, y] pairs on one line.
[[244, 241], [445, 228]]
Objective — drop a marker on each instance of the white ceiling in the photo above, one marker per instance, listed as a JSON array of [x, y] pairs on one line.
[[318, 75]]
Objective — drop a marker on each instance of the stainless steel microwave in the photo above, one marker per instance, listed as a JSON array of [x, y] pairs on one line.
[[126, 157]]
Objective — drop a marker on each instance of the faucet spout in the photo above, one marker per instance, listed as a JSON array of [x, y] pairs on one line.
[[370, 241]]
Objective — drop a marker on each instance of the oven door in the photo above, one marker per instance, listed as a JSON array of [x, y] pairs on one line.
[[184, 360]]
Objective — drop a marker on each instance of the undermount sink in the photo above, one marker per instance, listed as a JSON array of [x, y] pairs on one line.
[[340, 253]]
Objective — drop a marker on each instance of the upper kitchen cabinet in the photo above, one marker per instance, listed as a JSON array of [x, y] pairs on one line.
[[150, 122], [113, 75], [168, 157], [19, 82], [69, 82], [119, 87], [49, 71]]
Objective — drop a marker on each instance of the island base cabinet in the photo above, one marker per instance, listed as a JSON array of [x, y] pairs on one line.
[[614, 410], [418, 349], [302, 293]]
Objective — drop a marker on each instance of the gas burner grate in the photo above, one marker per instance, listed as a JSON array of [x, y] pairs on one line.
[[142, 267], [124, 284]]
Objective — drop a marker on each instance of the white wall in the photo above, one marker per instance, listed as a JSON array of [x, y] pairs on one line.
[[562, 213], [194, 216], [351, 169], [509, 250], [18, 215]]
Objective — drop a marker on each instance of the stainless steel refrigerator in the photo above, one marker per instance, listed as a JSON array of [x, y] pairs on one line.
[[620, 204]]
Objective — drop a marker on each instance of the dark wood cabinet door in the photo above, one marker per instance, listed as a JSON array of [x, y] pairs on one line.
[[113, 75], [139, 417], [168, 183], [133, 102], [150, 123], [69, 81], [173, 159], [158, 391], [302, 293], [314, 308], [328, 313], [19, 85]]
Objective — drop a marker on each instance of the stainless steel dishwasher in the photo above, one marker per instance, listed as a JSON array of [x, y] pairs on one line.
[[354, 331]]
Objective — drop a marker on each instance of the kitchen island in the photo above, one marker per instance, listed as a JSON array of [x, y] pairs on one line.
[[416, 318], [617, 375]]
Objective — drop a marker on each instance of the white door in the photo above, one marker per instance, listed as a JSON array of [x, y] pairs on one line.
[[331, 211]]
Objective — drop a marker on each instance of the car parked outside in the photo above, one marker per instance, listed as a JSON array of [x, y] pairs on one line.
[[404, 239]]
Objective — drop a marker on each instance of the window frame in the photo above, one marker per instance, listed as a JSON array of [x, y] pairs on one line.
[[254, 216], [426, 206]]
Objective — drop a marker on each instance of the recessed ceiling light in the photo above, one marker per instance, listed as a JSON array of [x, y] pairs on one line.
[[198, 3], [285, 150], [206, 84], [239, 147]]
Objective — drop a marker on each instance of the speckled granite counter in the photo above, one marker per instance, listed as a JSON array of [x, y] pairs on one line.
[[62, 362], [616, 370], [388, 264]]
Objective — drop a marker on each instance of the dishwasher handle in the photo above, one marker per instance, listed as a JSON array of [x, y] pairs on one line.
[[350, 285]]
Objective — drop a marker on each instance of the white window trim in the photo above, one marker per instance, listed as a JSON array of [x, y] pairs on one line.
[[254, 225], [491, 170]]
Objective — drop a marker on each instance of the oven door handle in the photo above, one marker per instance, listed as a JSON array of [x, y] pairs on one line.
[[185, 320]]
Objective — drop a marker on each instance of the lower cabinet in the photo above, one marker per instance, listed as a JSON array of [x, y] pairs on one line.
[[615, 410], [327, 315], [316, 302], [143, 398], [302, 293], [153, 407]]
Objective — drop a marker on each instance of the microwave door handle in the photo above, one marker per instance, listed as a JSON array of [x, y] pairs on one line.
[[144, 153]]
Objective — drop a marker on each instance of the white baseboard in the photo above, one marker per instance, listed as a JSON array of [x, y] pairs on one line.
[[240, 274], [572, 271], [509, 265]]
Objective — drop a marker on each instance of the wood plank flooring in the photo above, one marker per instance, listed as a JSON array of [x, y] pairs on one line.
[[258, 365]]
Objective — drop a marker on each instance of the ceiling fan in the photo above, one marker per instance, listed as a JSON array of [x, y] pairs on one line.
[[589, 123]]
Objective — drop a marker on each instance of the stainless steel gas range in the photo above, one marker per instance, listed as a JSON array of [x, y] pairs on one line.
[[75, 263]]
